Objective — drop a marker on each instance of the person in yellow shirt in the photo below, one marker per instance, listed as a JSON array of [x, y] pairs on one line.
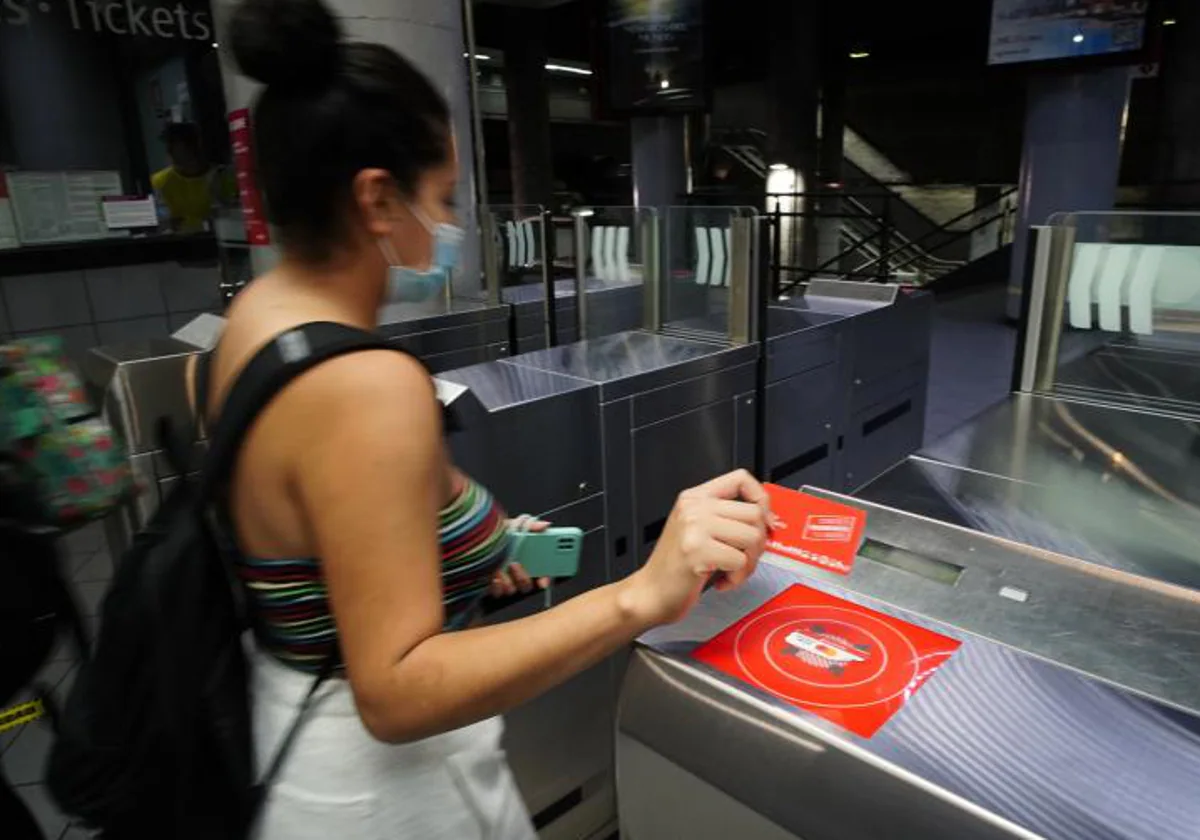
[[191, 186]]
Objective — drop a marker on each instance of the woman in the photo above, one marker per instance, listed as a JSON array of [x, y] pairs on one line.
[[348, 465]]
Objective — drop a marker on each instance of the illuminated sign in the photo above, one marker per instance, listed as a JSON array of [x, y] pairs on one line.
[[1042, 30], [114, 17], [656, 54]]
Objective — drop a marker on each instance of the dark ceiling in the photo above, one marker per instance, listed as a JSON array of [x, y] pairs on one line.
[[899, 35]]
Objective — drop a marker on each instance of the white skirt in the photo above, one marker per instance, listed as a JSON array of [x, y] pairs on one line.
[[339, 783]]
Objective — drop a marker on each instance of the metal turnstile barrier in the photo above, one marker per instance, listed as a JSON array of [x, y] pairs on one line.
[[665, 391]]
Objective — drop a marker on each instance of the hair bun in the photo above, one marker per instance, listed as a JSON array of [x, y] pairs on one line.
[[286, 43]]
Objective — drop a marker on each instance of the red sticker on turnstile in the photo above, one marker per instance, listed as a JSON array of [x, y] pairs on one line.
[[849, 664], [815, 531]]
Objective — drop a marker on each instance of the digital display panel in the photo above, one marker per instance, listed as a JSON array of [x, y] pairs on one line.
[[1049, 30], [655, 55]]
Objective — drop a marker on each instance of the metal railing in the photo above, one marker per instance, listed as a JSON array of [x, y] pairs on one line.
[[870, 245]]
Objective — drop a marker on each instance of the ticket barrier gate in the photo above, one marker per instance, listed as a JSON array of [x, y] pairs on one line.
[[1053, 535], [1071, 710], [846, 381], [600, 434]]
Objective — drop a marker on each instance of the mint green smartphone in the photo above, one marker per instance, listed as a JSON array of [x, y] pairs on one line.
[[553, 553]]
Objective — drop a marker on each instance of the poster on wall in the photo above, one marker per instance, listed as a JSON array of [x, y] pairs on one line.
[[52, 207], [241, 138], [844, 662], [655, 55], [1045, 30]]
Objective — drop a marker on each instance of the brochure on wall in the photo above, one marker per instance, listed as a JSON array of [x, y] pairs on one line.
[[8, 223], [62, 206], [129, 212], [849, 664]]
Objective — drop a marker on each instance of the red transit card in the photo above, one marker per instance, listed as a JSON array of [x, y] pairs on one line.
[[815, 531]]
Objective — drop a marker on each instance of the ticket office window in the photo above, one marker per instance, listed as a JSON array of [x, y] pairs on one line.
[[114, 164], [116, 98]]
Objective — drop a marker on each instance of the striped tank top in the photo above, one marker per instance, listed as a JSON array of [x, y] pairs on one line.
[[289, 603]]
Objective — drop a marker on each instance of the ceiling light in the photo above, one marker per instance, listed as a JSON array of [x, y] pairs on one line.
[[562, 68], [1169, 22], [860, 54], [780, 167], [1078, 39]]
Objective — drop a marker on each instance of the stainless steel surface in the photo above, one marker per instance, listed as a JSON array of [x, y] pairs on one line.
[[650, 233], [503, 385], [1100, 524], [1129, 630], [202, 332], [874, 294], [492, 249], [548, 294], [136, 384], [1036, 292], [1125, 484], [398, 319], [847, 375], [581, 275], [1127, 371], [625, 363], [1052, 306], [743, 280], [997, 743]]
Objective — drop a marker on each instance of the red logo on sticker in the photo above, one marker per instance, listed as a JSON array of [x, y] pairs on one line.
[[851, 665], [815, 531]]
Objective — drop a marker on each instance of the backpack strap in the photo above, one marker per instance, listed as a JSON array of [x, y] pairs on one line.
[[273, 368]]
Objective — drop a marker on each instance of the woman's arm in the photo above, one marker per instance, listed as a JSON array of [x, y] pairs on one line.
[[371, 477]]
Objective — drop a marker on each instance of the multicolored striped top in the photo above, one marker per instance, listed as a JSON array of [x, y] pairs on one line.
[[290, 605]]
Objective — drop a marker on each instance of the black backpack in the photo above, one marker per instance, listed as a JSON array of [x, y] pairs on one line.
[[155, 738]]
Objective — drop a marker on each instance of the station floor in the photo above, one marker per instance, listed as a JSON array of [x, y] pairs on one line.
[[971, 368]]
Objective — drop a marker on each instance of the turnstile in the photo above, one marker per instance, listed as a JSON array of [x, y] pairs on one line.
[[1054, 537], [1071, 710], [603, 434]]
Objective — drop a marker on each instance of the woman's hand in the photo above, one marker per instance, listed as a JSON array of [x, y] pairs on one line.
[[513, 579], [717, 530]]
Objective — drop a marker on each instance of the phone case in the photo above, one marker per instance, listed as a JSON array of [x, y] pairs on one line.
[[553, 553]]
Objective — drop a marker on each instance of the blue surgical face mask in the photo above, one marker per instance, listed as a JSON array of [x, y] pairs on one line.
[[409, 285]]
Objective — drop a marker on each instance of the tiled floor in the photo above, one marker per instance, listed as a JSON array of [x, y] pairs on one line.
[[23, 751], [971, 370]]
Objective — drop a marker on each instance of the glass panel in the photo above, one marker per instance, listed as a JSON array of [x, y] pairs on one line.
[[520, 249], [695, 243], [613, 243], [1131, 316]]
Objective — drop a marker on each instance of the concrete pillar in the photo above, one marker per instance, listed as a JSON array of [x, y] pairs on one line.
[[530, 152], [1177, 168], [660, 160], [1071, 155], [794, 44], [430, 34], [830, 149]]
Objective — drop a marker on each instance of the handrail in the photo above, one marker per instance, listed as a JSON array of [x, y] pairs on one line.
[[914, 243], [887, 257], [1002, 214]]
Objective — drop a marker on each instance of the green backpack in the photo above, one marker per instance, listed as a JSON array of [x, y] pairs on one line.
[[53, 438]]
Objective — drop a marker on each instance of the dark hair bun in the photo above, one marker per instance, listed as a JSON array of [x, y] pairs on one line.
[[286, 43]]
